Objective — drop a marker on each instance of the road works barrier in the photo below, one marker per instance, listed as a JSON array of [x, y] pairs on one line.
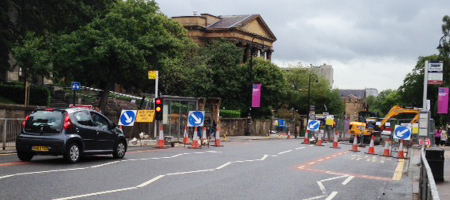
[[161, 143], [217, 141], [336, 141], [195, 144], [427, 185], [306, 140], [387, 152], [355, 145], [186, 136], [372, 146]]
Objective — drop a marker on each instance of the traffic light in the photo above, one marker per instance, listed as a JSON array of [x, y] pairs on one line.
[[158, 109]]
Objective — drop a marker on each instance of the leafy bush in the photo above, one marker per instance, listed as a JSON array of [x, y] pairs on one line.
[[230, 113], [39, 95]]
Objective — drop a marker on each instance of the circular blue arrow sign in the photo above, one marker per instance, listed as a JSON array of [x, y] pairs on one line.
[[402, 132], [196, 119], [313, 125], [128, 118]]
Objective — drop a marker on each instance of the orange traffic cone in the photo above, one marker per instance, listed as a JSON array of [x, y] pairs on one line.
[[319, 141], [161, 144], [186, 137], [204, 140], [306, 140], [195, 140], [288, 135], [217, 141], [335, 141], [372, 146], [355, 145], [387, 152], [401, 155]]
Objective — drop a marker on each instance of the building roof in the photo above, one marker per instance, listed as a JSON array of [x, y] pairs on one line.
[[232, 21], [360, 94]]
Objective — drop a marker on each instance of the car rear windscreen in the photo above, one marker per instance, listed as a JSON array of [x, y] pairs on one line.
[[45, 122]]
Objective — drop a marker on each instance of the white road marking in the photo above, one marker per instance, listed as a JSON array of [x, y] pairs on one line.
[[348, 180], [159, 177], [150, 181], [332, 195], [41, 172], [322, 187], [110, 163], [316, 197], [284, 152], [298, 148]]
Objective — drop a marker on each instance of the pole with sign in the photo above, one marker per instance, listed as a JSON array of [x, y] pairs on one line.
[[153, 75]]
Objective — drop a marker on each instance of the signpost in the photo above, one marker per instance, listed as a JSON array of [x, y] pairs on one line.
[[75, 86], [313, 125], [196, 118], [402, 132], [127, 118], [145, 116]]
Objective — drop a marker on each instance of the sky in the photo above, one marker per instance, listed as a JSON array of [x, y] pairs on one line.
[[370, 44]]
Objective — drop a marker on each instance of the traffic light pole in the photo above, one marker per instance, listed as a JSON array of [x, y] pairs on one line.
[[154, 103]]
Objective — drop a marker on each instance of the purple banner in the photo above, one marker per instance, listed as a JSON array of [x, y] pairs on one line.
[[256, 96], [443, 101]]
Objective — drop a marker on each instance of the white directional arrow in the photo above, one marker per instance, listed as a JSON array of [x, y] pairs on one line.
[[197, 120], [401, 133], [128, 118]]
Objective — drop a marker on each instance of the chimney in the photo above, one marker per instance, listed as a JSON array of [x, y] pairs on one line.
[[195, 12]]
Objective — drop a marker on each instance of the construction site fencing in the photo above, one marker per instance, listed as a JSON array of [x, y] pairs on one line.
[[11, 128], [427, 188]]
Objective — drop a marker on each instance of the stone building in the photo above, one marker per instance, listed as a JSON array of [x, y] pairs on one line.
[[249, 32], [325, 71], [355, 101]]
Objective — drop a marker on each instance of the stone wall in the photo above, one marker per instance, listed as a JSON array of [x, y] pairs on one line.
[[239, 126], [15, 111]]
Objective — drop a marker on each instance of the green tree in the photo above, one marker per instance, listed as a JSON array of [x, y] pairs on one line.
[[223, 60], [120, 48], [385, 100], [273, 87]]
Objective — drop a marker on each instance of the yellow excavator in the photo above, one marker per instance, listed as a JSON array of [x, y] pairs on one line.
[[397, 110]]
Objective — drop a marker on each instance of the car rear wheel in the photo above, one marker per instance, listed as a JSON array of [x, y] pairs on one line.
[[24, 156], [119, 150], [73, 153]]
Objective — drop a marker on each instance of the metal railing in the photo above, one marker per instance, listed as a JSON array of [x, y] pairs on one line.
[[10, 128], [427, 187]]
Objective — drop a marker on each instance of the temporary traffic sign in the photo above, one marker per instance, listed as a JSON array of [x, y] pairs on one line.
[[313, 125], [145, 115], [196, 118], [127, 117], [402, 132], [76, 86]]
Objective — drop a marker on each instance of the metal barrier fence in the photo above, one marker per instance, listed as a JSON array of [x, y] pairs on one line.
[[427, 188], [11, 128]]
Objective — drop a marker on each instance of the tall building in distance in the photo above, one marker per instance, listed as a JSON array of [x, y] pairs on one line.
[[371, 92], [325, 71]]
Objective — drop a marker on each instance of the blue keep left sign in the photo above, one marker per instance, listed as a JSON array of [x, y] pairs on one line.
[[402, 132], [127, 117], [76, 86], [313, 125]]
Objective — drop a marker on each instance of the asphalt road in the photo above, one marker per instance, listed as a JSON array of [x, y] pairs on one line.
[[242, 169]]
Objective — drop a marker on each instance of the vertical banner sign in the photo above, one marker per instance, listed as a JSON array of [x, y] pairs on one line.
[[256, 96], [443, 101]]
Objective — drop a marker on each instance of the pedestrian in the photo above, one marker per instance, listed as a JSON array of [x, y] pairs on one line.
[[444, 137], [437, 137]]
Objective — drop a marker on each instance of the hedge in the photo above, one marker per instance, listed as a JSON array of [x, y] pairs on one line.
[[230, 113], [39, 95]]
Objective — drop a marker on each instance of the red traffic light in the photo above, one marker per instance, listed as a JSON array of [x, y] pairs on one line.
[[158, 101]]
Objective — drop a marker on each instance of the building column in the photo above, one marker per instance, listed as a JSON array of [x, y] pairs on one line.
[[269, 54]]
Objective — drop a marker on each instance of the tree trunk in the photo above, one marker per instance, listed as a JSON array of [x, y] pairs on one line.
[[104, 99]]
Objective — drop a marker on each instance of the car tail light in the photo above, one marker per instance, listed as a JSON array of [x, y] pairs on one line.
[[67, 123], [50, 109], [25, 121]]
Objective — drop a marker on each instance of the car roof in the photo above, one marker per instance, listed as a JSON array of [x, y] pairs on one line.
[[69, 110]]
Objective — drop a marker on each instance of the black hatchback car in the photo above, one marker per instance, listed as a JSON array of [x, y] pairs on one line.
[[71, 132]]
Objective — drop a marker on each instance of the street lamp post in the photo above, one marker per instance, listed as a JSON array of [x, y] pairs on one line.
[[251, 89]]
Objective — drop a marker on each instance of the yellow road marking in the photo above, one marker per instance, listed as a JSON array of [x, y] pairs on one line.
[[399, 170]]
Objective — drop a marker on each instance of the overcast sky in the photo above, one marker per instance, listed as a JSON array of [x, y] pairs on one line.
[[370, 44]]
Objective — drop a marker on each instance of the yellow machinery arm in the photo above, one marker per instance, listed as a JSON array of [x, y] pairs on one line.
[[397, 110]]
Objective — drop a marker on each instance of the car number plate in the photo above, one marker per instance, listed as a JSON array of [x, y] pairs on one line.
[[40, 148]]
